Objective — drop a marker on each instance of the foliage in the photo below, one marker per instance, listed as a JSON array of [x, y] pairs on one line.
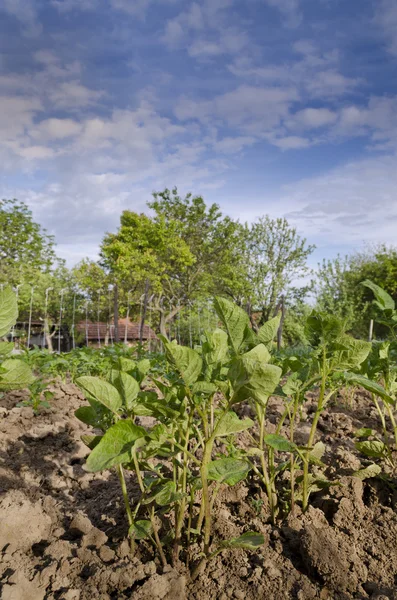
[[272, 257], [14, 373], [338, 286], [39, 395], [379, 377], [194, 409], [25, 248]]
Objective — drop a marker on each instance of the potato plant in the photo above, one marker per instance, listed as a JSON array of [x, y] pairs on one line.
[[178, 462], [14, 373], [379, 377]]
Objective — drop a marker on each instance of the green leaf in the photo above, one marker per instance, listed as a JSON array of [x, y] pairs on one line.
[[126, 364], [8, 310], [249, 541], [186, 360], [15, 374], [364, 432], [228, 470], [127, 387], [351, 352], [268, 331], [6, 348], [164, 494], [370, 471], [115, 446], [252, 377], [87, 415], [383, 300], [218, 347], [204, 387], [143, 366], [278, 442], [234, 319], [91, 440], [374, 449], [316, 454], [232, 424], [141, 530], [102, 391], [370, 386]]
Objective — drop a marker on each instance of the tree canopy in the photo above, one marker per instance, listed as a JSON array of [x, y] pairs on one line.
[[25, 247]]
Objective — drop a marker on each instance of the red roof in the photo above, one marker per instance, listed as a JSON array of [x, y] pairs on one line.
[[133, 330]]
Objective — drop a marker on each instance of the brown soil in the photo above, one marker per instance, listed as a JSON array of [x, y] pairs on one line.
[[62, 530]]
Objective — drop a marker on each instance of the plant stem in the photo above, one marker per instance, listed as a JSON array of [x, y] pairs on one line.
[[272, 497], [312, 435], [291, 437], [156, 537], [151, 512], [180, 509], [124, 491]]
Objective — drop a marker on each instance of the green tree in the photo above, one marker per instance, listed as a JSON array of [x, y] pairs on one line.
[[25, 247], [270, 261], [338, 286], [147, 250], [212, 238]]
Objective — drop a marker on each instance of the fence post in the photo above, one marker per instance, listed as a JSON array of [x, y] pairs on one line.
[[371, 330], [116, 314], [280, 329]]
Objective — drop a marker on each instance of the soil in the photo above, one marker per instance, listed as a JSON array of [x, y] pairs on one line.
[[63, 531]]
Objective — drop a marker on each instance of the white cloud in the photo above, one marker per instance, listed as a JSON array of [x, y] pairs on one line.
[[290, 142], [26, 13], [386, 19], [230, 145], [17, 113], [68, 5], [203, 30], [56, 129], [314, 73], [178, 28], [289, 9], [251, 109], [72, 94], [312, 118], [36, 152], [349, 205]]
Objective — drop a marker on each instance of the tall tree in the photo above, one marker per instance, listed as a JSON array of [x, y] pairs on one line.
[[25, 247], [270, 260], [147, 250], [211, 237]]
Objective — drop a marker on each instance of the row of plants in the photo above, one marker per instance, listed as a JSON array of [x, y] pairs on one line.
[[181, 463]]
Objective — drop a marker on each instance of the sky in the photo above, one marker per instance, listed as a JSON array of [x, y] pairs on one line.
[[279, 107]]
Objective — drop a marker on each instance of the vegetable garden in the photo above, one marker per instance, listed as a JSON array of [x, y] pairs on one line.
[[227, 470]]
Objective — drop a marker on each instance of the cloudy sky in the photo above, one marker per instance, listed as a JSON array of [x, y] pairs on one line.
[[284, 107]]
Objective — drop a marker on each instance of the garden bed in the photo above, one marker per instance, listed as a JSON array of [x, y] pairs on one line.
[[63, 530]]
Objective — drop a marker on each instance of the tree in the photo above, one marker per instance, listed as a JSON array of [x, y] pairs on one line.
[[25, 248], [338, 286], [270, 261], [210, 236], [147, 250], [94, 287]]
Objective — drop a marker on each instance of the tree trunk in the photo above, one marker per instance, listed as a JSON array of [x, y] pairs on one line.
[[48, 336]]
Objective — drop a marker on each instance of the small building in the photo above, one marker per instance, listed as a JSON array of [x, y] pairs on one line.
[[96, 333]]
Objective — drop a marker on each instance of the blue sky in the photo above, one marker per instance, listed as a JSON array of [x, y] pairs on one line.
[[279, 107]]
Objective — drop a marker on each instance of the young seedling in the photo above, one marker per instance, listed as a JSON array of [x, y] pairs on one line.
[[37, 390]]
